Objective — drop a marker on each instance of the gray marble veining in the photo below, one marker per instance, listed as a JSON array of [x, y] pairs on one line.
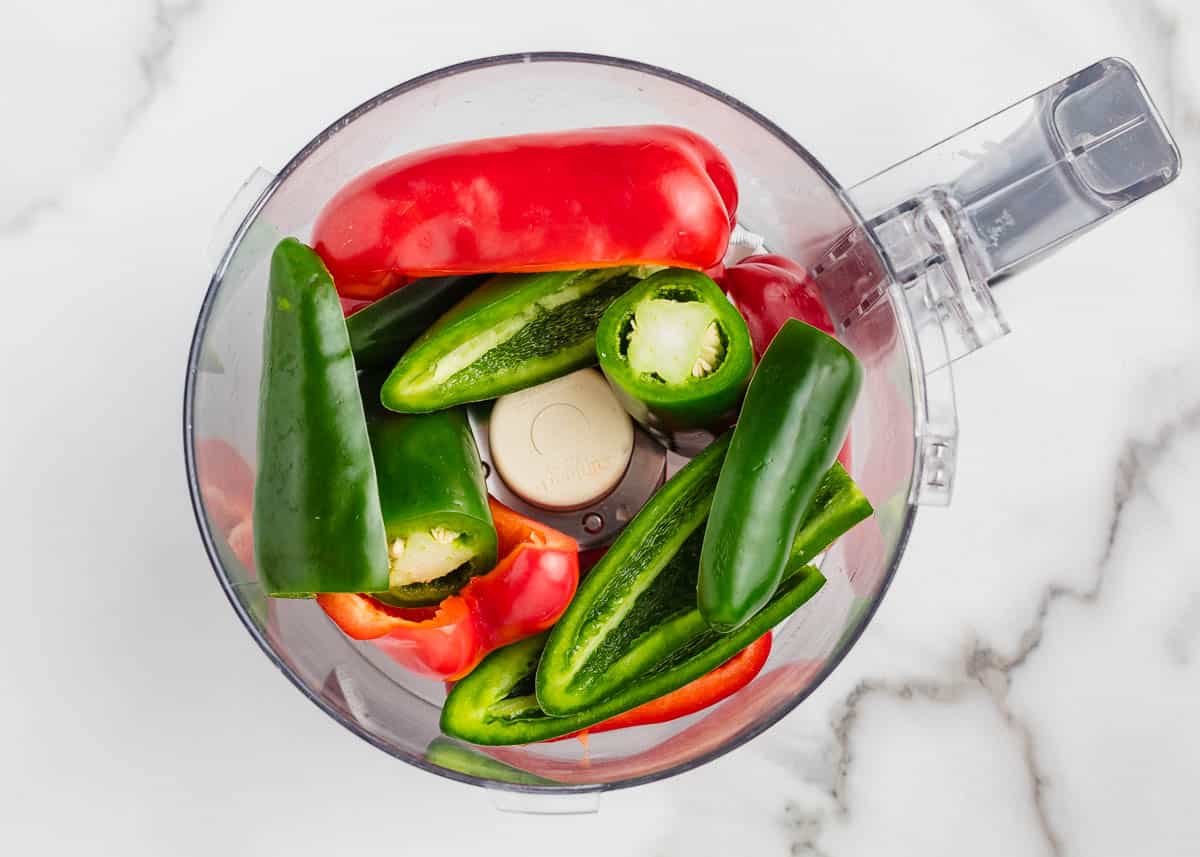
[[984, 667], [153, 58]]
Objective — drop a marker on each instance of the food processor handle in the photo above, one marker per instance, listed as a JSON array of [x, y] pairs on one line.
[[959, 217]]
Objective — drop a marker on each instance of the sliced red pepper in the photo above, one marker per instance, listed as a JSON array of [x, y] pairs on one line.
[[448, 644], [707, 736], [723, 682], [227, 487], [590, 198], [768, 290], [525, 593], [363, 618], [226, 483]]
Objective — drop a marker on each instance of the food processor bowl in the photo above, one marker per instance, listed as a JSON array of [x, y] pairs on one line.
[[904, 262]]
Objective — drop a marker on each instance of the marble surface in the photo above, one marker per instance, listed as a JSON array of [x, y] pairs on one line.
[[1031, 685]]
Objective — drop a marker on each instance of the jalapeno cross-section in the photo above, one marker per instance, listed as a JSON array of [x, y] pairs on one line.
[[675, 351]]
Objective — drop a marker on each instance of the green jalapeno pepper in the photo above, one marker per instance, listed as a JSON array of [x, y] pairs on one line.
[[592, 650], [513, 332], [380, 331], [317, 520], [636, 609], [496, 704], [455, 757], [434, 500], [790, 428], [675, 351]]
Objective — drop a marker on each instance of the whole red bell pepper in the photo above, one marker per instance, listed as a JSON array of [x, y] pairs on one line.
[[525, 593], [590, 198], [709, 689]]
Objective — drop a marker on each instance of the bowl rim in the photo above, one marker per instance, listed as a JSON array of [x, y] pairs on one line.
[[842, 648]]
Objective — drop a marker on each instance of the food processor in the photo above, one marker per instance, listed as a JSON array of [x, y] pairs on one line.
[[905, 262]]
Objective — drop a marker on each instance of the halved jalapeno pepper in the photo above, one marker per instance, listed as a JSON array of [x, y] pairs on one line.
[[513, 332], [317, 521]]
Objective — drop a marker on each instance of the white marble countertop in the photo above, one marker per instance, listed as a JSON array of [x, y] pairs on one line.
[[1031, 685]]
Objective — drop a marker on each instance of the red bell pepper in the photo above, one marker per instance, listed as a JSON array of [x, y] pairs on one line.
[[590, 198], [768, 290], [226, 483], [710, 735], [352, 305], [724, 681], [525, 593], [227, 488]]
